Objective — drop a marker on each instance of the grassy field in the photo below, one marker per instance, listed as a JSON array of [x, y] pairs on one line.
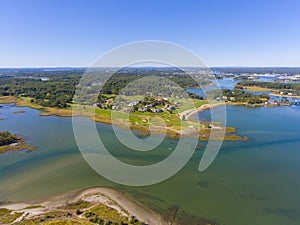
[[257, 89], [7, 217], [190, 104]]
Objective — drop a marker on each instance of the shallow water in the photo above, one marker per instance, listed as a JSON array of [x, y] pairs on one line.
[[250, 183]]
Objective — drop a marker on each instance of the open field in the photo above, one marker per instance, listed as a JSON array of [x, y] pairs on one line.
[[257, 89]]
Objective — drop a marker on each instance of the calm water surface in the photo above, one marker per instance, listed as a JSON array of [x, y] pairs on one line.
[[250, 183]]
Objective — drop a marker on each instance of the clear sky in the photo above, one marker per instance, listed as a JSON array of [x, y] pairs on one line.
[[41, 33]]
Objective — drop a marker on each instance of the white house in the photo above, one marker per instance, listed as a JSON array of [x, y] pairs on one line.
[[134, 103], [115, 107]]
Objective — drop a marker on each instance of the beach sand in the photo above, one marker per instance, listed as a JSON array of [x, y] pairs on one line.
[[124, 204]]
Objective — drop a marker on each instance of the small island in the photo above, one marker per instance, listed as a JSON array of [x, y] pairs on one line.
[[19, 112], [13, 142], [7, 138]]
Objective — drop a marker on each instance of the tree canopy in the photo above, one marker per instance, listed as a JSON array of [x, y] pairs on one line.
[[7, 138]]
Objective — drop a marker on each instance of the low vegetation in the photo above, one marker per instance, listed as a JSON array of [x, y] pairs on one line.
[[7, 216], [81, 213]]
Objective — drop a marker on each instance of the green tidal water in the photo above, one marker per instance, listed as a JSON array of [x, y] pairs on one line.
[[250, 183]]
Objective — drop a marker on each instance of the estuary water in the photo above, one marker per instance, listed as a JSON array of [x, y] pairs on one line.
[[256, 182]]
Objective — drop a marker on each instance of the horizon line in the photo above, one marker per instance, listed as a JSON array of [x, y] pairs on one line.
[[84, 67]]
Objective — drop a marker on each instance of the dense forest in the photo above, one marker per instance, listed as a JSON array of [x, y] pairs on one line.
[[7, 138], [57, 88], [55, 92], [124, 77]]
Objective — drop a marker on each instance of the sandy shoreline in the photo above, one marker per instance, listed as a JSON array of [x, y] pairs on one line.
[[123, 201], [133, 207], [187, 114]]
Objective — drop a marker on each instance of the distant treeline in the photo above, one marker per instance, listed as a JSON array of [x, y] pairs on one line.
[[257, 70]]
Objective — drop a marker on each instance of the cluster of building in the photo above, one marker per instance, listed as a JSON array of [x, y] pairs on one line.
[[226, 98], [295, 77], [288, 93], [154, 105]]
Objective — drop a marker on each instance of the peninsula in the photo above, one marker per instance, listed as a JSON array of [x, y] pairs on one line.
[[96, 205]]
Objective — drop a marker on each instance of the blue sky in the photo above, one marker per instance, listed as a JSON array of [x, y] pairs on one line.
[[42, 33]]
